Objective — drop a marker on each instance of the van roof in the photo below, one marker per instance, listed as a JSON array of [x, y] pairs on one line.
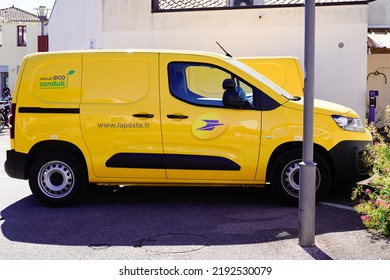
[[106, 51]]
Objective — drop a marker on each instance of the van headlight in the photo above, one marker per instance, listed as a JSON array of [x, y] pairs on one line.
[[349, 124]]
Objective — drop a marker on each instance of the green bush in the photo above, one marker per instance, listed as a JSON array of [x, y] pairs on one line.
[[374, 204]]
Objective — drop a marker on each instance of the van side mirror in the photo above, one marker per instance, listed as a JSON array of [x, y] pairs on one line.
[[231, 98]]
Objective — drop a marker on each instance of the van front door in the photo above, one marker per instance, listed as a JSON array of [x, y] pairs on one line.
[[204, 141]]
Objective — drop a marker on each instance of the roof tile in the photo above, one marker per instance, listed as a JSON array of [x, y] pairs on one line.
[[17, 15]]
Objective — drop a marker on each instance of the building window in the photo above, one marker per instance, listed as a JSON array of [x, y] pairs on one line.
[[22, 35], [1, 36]]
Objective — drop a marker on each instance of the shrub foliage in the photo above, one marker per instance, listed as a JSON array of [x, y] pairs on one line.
[[374, 198]]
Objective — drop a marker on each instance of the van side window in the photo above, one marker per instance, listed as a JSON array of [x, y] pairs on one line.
[[201, 84]]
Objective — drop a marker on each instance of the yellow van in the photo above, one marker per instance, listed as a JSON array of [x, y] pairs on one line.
[[168, 117]]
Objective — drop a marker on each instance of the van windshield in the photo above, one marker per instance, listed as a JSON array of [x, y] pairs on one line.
[[261, 78]]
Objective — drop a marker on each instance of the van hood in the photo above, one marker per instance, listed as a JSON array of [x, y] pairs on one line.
[[323, 107]]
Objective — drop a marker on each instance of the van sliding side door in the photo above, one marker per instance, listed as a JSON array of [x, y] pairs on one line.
[[120, 115]]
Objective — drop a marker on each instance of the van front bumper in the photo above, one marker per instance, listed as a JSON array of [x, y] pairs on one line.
[[348, 161], [15, 165]]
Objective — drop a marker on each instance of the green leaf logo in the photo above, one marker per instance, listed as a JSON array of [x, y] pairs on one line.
[[71, 72]]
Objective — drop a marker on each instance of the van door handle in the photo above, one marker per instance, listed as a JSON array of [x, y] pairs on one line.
[[147, 116], [181, 117]]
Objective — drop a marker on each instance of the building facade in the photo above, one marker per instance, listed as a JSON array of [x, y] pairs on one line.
[[273, 29], [19, 31], [83, 31], [378, 68]]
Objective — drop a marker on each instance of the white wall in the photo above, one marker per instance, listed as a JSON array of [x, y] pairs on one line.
[[379, 13], [340, 72], [341, 56], [75, 24]]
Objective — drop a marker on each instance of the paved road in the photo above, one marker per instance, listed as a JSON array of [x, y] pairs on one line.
[[176, 223]]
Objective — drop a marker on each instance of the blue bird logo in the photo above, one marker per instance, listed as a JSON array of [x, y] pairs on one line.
[[210, 125]]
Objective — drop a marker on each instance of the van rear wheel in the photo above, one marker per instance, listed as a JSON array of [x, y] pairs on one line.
[[57, 178], [285, 176]]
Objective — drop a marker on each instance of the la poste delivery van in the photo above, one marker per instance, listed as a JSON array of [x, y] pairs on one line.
[[168, 117]]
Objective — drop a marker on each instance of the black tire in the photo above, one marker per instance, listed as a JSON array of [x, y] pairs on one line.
[[285, 176], [57, 178]]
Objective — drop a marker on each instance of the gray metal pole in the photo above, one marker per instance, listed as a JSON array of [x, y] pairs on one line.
[[307, 174], [42, 25]]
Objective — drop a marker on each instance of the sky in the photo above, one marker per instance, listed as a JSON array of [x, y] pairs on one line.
[[27, 5]]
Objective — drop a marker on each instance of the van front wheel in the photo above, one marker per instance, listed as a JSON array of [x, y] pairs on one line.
[[57, 178], [285, 176]]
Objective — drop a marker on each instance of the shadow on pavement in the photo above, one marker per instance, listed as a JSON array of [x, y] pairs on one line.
[[146, 216]]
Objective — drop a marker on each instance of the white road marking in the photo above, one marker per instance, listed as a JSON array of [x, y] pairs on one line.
[[335, 205]]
